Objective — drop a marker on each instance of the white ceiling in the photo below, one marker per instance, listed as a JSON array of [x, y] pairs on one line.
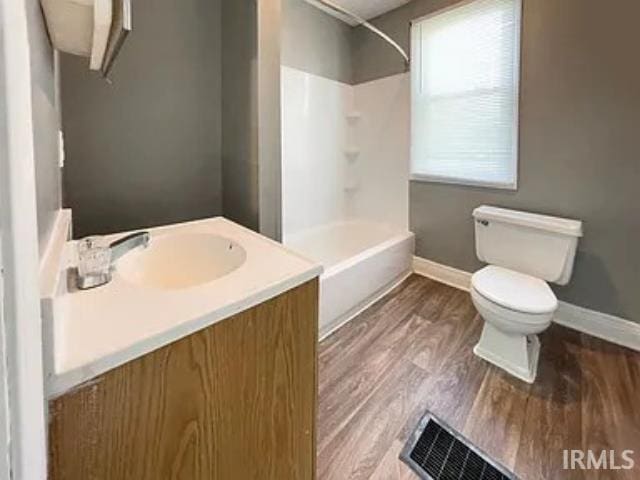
[[366, 9]]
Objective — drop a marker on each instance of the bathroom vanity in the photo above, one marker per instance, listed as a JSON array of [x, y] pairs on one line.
[[152, 376]]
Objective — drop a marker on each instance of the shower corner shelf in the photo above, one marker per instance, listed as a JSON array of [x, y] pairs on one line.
[[352, 153], [354, 116]]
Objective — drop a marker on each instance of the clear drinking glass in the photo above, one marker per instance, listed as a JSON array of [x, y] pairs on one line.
[[94, 258]]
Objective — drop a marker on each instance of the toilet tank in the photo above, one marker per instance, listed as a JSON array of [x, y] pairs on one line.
[[538, 245]]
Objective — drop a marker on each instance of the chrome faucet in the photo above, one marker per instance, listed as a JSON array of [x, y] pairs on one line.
[[123, 245], [96, 262]]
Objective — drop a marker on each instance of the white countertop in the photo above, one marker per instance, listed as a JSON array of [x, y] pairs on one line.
[[87, 333]]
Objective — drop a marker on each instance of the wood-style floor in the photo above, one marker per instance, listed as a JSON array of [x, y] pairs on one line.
[[412, 351]]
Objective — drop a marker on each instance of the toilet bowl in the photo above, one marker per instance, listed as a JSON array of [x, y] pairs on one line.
[[515, 308], [524, 252]]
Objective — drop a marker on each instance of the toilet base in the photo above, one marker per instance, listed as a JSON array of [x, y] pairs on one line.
[[516, 354]]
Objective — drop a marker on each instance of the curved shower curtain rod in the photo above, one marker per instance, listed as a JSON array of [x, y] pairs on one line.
[[364, 23]]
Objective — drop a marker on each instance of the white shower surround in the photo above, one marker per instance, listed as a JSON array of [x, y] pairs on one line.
[[345, 152], [383, 136], [314, 136], [323, 123]]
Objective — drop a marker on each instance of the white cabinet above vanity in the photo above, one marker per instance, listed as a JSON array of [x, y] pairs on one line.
[[90, 28]]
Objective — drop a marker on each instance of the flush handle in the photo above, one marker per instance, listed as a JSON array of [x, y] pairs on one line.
[[484, 223]]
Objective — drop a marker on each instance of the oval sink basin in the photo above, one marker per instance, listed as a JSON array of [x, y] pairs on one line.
[[176, 261]]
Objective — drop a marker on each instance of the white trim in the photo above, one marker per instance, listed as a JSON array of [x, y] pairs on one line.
[[18, 221], [597, 324], [465, 182], [442, 273], [5, 412], [602, 325]]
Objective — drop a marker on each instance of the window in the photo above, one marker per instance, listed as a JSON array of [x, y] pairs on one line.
[[465, 66]]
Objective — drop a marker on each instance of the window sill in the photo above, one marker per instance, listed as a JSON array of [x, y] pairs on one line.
[[416, 177]]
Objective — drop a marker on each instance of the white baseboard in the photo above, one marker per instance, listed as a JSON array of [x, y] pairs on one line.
[[602, 325], [442, 273], [597, 324]]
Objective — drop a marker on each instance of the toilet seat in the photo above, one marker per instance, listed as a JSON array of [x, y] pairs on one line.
[[515, 291], [508, 320]]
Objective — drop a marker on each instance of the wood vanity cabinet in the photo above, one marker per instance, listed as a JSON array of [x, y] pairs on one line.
[[234, 401]]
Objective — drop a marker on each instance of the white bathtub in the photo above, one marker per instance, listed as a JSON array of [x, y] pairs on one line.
[[362, 262]]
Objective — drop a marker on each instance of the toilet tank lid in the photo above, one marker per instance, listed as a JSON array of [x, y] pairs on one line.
[[562, 226]]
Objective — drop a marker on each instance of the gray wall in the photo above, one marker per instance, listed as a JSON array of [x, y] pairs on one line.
[[146, 150], [239, 110], [45, 123], [579, 124], [315, 42]]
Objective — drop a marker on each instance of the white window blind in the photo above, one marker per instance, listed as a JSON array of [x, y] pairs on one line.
[[465, 69]]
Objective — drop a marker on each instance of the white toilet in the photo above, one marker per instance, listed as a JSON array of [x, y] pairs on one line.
[[524, 252]]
